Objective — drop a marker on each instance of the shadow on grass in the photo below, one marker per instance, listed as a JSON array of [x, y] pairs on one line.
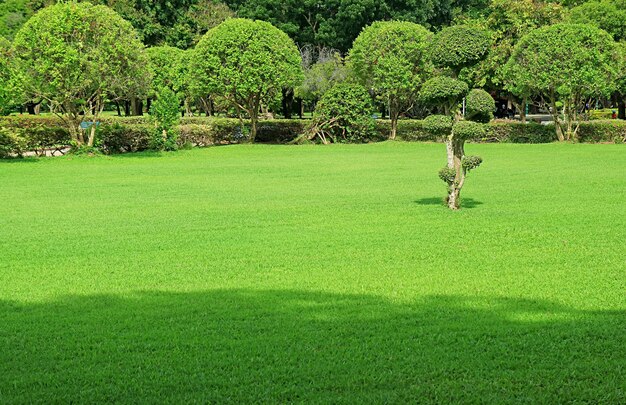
[[465, 202], [283, 346]]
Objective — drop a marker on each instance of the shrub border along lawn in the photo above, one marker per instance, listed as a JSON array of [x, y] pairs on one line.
[[130, 134]]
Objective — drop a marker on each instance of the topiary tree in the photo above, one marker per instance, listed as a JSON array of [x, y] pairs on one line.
[[445, 93], [588, 64], [466, 46], [166, 114], [389, 57], [343, 114], [246, 62], [459, 46], [74, 55]]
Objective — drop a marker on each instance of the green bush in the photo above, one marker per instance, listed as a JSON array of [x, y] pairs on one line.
[[459, 46], [479, 106], [119, 138], [602, 131], [438, 125], [443, 91], [344, 114], [11, 143], [469, 130], [517, 132], [165, 112]]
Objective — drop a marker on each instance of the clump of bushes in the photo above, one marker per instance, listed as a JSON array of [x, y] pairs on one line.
[[344, 114]]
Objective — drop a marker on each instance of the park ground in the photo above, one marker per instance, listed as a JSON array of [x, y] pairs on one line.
[[276, 274]]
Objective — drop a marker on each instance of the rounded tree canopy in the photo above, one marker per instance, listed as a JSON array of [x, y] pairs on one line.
[[345, 111], [242, 59], [165, 67], [459, 46], [469, 130], [609, 15], [567, 59], [443, 91], [438, 125], [480, 106], [71, 52], [389, 57]]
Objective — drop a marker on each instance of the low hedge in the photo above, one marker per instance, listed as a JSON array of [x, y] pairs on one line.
[[602, 131], [132, 134]]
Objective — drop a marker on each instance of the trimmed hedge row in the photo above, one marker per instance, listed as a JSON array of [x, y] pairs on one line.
[[130, 134]]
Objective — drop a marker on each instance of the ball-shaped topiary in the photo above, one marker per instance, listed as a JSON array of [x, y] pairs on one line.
[[344, 113], [438, 125], [443, 91], [479, 106], [459, 46], [464, 130]]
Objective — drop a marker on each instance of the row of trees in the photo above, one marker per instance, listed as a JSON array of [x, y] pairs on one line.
[[76, 56]]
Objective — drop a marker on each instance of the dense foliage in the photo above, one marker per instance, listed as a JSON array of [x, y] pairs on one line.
[[74, 56], [459, 46], [479, 106], [390, 59], [343, 114], [445, 92], [246, 62], [587, 66]]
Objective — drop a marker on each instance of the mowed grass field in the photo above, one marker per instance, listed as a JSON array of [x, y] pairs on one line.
[[314, 274]]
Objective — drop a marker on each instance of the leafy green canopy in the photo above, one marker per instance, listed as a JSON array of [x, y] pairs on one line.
[[75, 54], [459, 46], [479, 106], [443, 91], [246, 62], [610, 15], [321, 77], [344, 113], [165, 64], [6, 86], [390, 58], [336, 23], [564, 59]]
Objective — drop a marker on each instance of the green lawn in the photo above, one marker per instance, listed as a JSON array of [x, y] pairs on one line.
[[317, 274]]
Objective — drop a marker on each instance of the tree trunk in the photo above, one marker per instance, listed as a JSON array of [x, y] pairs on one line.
[[127, 108], [287, 103], [136, 106], [394, 114], [30, 107], [621, 108], [456, 152], [119, 112], [300, 104], [253, 126], [148, 104], [555, 118]]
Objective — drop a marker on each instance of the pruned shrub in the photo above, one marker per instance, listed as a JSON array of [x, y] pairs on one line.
[[480, 106], [468, 130], [459, 46], [438, 125], [344, 114]]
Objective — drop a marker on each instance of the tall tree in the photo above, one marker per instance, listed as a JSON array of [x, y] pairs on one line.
[[246, 62], [75, 55], [390, 59], [587, 66]]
